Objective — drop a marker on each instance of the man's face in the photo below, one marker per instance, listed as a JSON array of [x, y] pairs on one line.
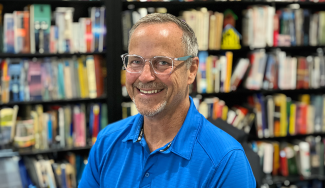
[[150, 40]]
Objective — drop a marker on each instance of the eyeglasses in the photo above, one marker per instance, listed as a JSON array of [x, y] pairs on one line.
[[160, 64]]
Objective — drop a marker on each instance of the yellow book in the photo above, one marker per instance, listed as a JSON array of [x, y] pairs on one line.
[[276, 159], [212, 32], [91, 77], [219, 27], [209, 75], [305, 98], [81, 76], [310, 119], [224, 113], [292, 121], [283, 115], [229, 56]]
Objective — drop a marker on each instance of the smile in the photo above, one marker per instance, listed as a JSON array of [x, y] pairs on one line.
[[150, 91]]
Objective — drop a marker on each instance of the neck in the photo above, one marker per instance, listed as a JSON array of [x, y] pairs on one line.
[[163, 127]]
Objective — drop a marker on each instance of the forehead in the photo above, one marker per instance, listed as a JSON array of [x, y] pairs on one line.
[[162, 37]]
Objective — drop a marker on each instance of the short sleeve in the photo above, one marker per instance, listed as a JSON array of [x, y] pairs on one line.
[[91, 175], [233, 171]]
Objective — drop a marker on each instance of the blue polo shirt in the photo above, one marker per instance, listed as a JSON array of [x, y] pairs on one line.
[[200, 155]]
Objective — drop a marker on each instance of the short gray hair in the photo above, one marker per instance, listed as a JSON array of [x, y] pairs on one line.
[[189, 40]]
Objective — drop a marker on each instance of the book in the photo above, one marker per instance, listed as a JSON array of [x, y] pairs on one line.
[[40, 22]]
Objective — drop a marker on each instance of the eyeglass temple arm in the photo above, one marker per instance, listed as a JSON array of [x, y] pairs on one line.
[[184, 58]]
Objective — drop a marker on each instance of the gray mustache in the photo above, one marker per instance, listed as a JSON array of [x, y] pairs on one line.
[[152, 85]]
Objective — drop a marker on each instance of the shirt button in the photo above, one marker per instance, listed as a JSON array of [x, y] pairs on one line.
[[147, 174]]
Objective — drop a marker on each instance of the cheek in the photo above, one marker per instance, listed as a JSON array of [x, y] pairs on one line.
[[130, 79]]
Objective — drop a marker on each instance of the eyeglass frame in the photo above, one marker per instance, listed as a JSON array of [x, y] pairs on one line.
[[184, 58]]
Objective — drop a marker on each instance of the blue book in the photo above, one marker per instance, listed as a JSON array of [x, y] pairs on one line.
[[14, 70], [61, 92], [202, 84]]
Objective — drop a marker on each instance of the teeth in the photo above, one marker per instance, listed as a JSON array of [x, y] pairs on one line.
[[149, 92]]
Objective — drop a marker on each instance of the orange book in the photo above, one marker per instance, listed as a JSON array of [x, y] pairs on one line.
[[26, 48], [89, 35], [229, 56]]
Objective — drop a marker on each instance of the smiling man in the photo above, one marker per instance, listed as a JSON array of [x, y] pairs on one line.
[[169, 143]]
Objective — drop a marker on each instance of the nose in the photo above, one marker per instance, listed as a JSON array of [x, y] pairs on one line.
[[147, 74]]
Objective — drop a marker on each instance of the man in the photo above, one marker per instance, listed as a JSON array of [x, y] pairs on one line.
[[169, 143]]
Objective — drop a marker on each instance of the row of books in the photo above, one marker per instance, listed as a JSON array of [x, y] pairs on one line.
[[299, 157], [207, 25], [42, 171], [31, 30], [53, 126], [279, 115], [130, 17], [273, 116], [52, 78], [240, 116], [264, 26], [261, 70]]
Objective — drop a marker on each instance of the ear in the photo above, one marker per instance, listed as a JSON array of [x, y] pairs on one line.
[[193, 70]]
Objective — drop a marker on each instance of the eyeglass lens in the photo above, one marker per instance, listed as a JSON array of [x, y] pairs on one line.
[[135, 64]]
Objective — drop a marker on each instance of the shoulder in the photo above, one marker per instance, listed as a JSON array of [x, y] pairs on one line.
[[215, 142], [113, 133], [116, 127]]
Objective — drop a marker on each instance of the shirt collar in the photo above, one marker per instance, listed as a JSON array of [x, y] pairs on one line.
[[183, 142]]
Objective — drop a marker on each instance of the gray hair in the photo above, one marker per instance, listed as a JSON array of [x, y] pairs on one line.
[[188, 39]]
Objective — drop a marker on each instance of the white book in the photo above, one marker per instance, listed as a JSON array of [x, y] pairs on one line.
[[313, 32], [259, 27], [304, 159], [134, 110], [282, 71], [223, 72], [270, 114], [269, 25], [61, 128], [75, 36], [203, 109], [247, 28], [268, 158], [316, 73], [293, 71]]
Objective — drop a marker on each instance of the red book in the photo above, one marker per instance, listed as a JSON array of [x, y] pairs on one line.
[[99, 75], [284, 163], [26, 48], [89, 34], [276, 28]]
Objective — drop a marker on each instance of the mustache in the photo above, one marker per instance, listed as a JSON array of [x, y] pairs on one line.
[[151, 85]]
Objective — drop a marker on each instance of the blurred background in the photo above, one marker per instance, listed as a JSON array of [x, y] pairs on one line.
[[262, 70]]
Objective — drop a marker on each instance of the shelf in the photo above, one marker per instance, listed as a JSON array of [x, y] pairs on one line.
[[283, 138], [283, 48], [65, 101], [292, 179], [7, 153], [54, 1], [52, 150], [192, 4], [264, 92], [9, 55]]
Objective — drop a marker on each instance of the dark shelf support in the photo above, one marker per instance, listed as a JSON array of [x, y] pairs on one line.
[[113, 60]]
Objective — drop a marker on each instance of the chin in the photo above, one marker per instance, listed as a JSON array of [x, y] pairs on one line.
[[148, 111]]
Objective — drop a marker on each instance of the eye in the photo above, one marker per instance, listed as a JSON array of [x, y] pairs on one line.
[[163, 63], [135, 62]]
